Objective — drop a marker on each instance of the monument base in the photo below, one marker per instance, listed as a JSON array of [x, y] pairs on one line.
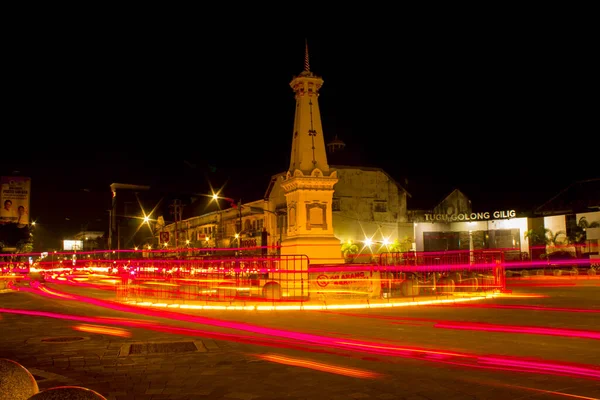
[[319, 249]]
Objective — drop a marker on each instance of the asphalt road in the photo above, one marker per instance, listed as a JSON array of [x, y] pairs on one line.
[[545, 344]]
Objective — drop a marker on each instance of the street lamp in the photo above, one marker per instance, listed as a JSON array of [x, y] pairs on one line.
[[233, 204]]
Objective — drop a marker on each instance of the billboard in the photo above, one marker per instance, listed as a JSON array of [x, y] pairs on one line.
[[14, 199], [72, 245]]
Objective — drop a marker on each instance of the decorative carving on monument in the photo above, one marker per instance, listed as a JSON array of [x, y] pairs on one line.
[[316, 216], [292, 214]]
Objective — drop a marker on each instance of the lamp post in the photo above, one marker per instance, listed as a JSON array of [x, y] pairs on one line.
[[233, 204]]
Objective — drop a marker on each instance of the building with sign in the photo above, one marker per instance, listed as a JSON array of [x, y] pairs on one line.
[[452, 225], [571, 226]]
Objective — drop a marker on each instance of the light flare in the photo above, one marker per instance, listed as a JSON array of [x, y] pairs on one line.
[[102, 330], [296, 362]]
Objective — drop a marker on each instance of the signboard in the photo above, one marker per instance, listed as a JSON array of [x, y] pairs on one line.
[[476, 216], [164, 236], [357, 283], [14, 197], [72, 244], [250, 242]]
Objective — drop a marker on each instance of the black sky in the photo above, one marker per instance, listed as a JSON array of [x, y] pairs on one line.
[[504, 115]]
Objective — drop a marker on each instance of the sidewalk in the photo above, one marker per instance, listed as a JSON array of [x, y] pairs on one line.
[[196, 365]]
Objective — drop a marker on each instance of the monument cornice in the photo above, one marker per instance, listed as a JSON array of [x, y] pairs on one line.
[[315, 181]]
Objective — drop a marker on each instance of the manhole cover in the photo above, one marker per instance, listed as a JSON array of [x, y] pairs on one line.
[[64, 339], [161, 348]]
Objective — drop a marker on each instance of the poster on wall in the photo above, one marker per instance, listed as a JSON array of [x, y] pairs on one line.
[[14, 197]]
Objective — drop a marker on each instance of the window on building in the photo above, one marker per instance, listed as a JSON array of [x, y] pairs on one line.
[[380, 206], [508, 240], [260, 224], [335, 205], [441, 241]]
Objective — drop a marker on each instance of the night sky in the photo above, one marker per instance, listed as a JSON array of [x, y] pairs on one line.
[[506, 118]]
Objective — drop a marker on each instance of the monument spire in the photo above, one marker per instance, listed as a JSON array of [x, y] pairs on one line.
[[308, 184], [308, 144], [306, 63]]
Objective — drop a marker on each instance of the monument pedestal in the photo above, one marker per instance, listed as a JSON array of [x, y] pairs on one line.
[[318, 249], [297, 253]]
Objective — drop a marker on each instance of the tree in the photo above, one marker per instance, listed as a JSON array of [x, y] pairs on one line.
[[401, 246], [578, 234], [545, 237], [538, 236], [349, 250], [11, 235]]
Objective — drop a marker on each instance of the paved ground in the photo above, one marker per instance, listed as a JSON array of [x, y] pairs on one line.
[[215, 368]]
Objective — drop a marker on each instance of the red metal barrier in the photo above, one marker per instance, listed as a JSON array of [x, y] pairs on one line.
[[162, 278], [413, 273]]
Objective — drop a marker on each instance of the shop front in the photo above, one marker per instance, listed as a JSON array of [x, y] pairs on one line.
[[494, 230]]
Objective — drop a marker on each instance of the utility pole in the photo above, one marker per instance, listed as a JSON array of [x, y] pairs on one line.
[[110, 227], [177, 212], [241, 228]]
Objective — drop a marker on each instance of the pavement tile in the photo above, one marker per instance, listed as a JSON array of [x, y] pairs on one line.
[[241, 396], [359, 396]]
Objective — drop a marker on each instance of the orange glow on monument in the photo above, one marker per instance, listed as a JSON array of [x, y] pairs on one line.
[[308, 184]]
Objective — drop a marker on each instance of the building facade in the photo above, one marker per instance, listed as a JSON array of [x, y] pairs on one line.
[[452, 225]]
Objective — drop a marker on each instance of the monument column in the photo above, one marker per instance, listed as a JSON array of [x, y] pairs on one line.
[[308, 184]]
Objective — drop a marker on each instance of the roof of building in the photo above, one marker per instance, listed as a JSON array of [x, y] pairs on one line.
[[203, 205], [337, 141], [346, 156], [128, 186], [363, 168], [272, 184], [580, 196]]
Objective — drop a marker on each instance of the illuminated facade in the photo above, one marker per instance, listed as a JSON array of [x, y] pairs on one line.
[[367, 206], [452, 225]]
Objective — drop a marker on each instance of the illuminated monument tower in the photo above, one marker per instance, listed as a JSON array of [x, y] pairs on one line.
[[308, 184]]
